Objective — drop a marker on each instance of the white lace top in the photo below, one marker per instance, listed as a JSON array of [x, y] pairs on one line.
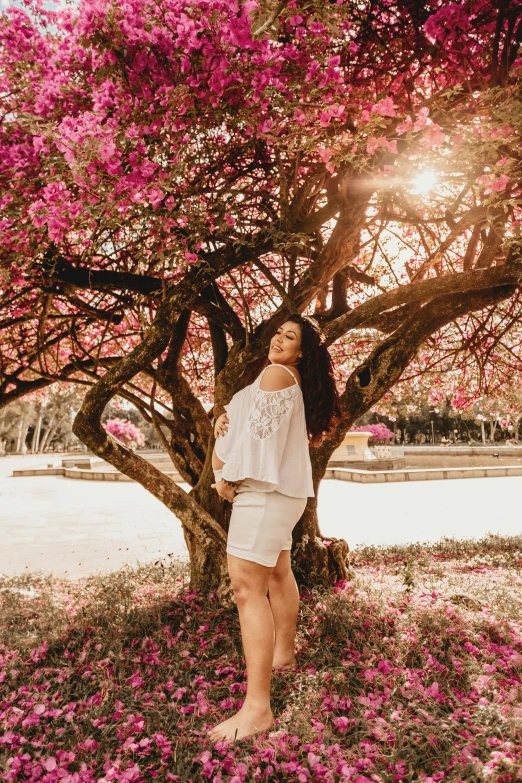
[[267, 440]]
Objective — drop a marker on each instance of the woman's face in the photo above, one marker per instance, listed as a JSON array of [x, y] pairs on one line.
[[285, 345]]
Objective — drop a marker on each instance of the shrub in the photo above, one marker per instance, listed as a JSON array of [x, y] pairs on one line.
[[125, 431], [380, 433]]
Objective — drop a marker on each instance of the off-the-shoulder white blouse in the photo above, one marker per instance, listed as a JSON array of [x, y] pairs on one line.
[[267, 441]]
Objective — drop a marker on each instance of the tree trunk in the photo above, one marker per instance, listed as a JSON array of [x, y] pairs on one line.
[[316, 560], [207, 497], [23, 446], [19, 438], [483, 432], [36, 433], [48, 436], [492, 428]]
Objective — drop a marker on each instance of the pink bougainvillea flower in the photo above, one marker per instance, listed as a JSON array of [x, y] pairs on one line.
[[421, 120], [433, 136], [494, 184], [386, 107]]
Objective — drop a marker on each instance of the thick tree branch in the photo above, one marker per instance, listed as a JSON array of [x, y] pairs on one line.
[[190, 436], [59, 271], [419, 292], [493, 242], [470, 218], [25, 387], [213, 305], [342, 245]]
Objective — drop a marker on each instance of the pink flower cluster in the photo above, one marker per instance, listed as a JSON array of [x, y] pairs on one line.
[[380, 432], [125, 431]]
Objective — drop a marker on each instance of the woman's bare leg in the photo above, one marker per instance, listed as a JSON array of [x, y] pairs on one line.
[[284, 602], [250, 583]]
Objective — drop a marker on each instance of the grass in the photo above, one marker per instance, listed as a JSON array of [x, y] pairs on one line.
[[410, 671]]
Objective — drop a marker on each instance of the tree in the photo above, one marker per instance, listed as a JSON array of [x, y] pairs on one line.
[[180, 177], [15, 421]]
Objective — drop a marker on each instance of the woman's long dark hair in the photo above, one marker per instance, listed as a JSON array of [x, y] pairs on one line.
[[321, 399]]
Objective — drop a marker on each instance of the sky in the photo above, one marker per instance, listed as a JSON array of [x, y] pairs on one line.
[[49, 4]]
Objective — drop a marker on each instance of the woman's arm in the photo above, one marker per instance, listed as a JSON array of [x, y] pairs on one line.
[[225, 489]]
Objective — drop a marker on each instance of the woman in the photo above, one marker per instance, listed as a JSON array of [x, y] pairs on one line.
[[262, 465]]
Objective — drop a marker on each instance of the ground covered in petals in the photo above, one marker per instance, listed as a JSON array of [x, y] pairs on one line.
[[409, 671]]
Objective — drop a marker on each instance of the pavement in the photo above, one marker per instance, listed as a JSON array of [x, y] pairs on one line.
[[74, 528]]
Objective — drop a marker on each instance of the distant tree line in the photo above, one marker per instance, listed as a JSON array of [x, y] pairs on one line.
[[43, 423], [430, 424]]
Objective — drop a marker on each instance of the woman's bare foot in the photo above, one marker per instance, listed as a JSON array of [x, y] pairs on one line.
[[286, 663], [245, 723]]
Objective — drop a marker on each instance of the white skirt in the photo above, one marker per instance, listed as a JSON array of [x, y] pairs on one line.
[[261, 524]]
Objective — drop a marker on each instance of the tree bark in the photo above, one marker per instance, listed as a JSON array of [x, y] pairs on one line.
[[48, 436], [317, 561], [37, 431], [20, 431]]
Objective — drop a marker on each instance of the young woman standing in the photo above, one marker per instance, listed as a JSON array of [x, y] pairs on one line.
[[262, 465]]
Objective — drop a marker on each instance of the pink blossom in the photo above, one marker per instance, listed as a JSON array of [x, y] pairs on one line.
[[380, 433], [266, 126], [372, 144], [125, 431], [156, 197], [341, 724], [447, 22], [494, 184], [386, 107], [422, 118], [433, 689], [324, 119], [375, 143], [405, 126], [433, 136], [325, 153]]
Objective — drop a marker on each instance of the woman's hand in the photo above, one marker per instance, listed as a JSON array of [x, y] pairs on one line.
[[225, 491], [221, 425]]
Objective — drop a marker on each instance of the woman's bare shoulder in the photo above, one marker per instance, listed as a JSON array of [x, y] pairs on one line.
[[278, 377]]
